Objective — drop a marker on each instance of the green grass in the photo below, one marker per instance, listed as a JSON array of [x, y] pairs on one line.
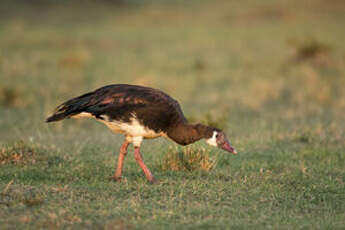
[[270, 74]]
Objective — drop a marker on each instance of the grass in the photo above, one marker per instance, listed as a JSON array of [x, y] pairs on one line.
[[188, 159], [271, 74]]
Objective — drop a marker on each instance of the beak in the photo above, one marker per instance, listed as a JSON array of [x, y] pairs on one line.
[[227, 147]]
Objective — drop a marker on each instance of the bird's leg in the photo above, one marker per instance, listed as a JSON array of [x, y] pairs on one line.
[[141, 163], [123, 152]]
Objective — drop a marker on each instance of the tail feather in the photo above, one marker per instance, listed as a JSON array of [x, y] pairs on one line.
[[56, 117], [71, 107]]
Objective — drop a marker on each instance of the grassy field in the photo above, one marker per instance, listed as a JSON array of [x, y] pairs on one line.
[[270, 73]]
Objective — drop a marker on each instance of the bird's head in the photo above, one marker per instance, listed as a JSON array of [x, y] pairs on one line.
[[219, 139]]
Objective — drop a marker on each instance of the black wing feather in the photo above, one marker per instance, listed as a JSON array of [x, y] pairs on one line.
[[152, 107]]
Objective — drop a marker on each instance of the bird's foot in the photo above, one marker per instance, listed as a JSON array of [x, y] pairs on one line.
[[117, 178], [154, 181]]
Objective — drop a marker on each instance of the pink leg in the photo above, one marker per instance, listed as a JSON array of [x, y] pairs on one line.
[[140, 161], [123, 152]]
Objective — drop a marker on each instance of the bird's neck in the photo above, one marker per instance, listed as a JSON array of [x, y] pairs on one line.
[[185, 133]]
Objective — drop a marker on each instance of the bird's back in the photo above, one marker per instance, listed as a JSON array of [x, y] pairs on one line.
[[121, 103]]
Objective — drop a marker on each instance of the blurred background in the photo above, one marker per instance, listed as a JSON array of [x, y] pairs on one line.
[[261, 70], [270, 73]]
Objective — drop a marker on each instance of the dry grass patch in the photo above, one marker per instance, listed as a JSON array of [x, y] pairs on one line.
[[11, 97], [188, 159], [118, 224], [17, 194], [312, 50], [20, 153]]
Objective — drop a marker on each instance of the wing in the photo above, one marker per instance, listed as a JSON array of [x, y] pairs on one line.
[[152, 107]]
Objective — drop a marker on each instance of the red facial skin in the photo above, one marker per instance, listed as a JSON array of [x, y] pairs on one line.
[[223, 143], [227, 147]]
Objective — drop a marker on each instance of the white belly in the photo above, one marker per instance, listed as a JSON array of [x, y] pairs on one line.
[[133, 129], [82, 115]]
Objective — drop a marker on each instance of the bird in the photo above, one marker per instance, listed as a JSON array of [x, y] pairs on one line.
[[139, 112]]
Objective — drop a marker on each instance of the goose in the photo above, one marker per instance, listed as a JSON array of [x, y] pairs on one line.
[[139, 113]]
